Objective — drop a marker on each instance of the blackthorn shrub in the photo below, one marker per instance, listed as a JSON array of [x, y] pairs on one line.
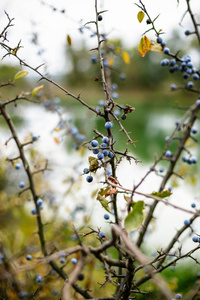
[[49, 258]]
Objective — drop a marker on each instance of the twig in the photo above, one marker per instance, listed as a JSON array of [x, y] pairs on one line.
[[136, 253]]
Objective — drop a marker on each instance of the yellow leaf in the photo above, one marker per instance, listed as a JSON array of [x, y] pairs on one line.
[[148, 43], [57, 129], [36, 90], [142, 48], [117, 50], [14, 51], [144, 45], [111, 61], [20, 74], [69, 40], [125, 57], [140, 16]]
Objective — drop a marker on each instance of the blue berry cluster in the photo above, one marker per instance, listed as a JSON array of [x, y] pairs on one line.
[[102, 152], [40, 203], [118, 111], [79, 138], [190, 160], [183, 65], [67, 126]]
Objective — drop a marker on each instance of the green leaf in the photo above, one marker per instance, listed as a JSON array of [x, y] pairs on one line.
[[94, 164], [140, 16], [163, 194], [100, 197], [135, 216], [127, 198], [20, 74], [36, 90]]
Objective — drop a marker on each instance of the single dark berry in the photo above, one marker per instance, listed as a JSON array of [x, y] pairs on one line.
[[89, 178], [190, 84], [74, 261], [187, 32], [166, 50], [187, 222], [108, 125], [94, 143], [106, 217], [195, 239], [80, 276], [168, 153], [159, 40], [100, 18], [100, 155], [28, 257], [102, 234], [85, 170], [105, 139]]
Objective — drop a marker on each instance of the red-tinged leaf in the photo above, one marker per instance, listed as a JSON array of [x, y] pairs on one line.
[[20, 74], [142, 48], [69, 40], [111, 192], [103, 191], [125, 57], [56, 140], [140, 16], [36, 90], [113, 180], [128, 109], [148, 43]]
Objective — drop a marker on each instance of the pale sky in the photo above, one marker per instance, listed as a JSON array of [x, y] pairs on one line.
[[53, 27]]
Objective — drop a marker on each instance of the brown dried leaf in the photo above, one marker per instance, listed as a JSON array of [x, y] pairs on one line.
[[111, 192], [113, 180]]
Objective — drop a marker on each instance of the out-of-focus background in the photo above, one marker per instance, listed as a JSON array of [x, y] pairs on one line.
[[43, 27]]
